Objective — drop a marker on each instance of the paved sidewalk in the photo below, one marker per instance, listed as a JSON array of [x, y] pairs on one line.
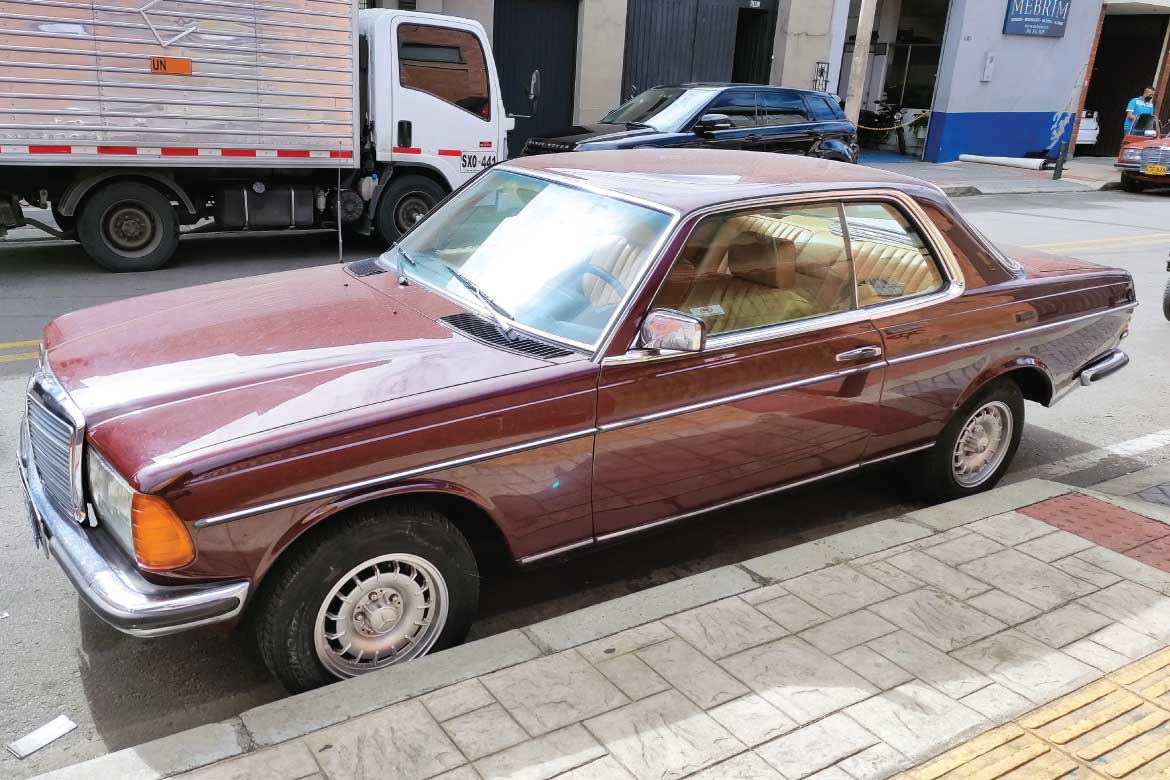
[[854, 657], [957, 179]]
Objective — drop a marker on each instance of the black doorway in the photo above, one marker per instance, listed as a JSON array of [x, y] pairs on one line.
[[1127, 60], [536, 36], [753, 47]]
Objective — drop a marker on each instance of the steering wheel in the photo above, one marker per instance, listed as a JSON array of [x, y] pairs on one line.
[[606, 277]]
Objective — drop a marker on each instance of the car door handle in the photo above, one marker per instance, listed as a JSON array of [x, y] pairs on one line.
[[753, 137], [861, 353]]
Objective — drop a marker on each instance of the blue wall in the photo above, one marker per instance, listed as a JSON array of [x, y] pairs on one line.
[[996, 133]]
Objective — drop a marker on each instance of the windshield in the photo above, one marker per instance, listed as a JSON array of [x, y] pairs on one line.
[[551, 258], [1144, 123], [664, 108]]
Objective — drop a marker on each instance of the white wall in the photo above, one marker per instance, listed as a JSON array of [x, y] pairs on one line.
[[804, 34], [601, 41]]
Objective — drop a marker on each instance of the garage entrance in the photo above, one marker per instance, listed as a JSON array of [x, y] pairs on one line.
[[535, 43], [1127, 62]]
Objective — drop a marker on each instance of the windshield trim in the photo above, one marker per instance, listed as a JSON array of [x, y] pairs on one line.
[[654, 254]]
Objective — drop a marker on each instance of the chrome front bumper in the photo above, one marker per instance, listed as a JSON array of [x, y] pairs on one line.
[[109, 583], [1110, 363]]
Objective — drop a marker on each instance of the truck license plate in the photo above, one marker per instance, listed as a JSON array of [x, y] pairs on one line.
[[475, 162], [1155, 170]]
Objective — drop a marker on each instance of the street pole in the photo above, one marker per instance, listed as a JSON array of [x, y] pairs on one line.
[[859, 65]]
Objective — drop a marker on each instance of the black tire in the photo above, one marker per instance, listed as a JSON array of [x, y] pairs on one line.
[[940, 482], [1130, 184], [405, 201], [128, 226], [1166, 301], [293, 596]]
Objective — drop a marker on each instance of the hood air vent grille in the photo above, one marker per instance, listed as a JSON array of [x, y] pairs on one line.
[[367, 267], [476, 327]]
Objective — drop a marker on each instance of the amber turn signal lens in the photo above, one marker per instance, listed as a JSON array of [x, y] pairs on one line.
[[161, 541]]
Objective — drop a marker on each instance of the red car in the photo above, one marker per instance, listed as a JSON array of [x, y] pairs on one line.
[[572, 349], [1145, 156]]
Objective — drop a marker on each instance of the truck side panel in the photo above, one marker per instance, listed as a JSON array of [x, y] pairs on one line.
[[179, 82]]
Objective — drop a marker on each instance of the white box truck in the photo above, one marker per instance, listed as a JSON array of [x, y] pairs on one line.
[[129, 118]]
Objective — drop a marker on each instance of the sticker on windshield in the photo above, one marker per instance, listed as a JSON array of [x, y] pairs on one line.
[[474, 162], [713, 310]]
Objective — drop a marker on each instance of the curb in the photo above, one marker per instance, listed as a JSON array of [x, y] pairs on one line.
[[298, 715]]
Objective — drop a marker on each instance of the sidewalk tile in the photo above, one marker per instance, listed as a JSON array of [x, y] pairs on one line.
[[752, 720], [465, 772], [1064, 625], [290, 761], [1026, 666], [539, 759], [799, 680], [1126, 568], [604, 768], [1104, 523], [952, 677], [458, 699], [830, 773], [483, 732], [625, 642], [965, 548], [692, 673], [940, 575], [1158, 494], [848, 631], [937, 618], [1135, 606], [1011, 528], [766, 593], [876, 668], [981, 505], [554, 691], [745, 766], [816, 746], [1124, 640], [1083, 570], [631, 674], [1097, 655], [792, 613], [1056, 545], [891, 576], [724, 627], [1003, 607], [1027, 579], [1155, 553], [875, 763], [915, 719], [838, 590], [401, 741], [997, 703], [663, 737]]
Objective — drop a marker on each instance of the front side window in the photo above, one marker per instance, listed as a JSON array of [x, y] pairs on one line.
[[446, 63], [553, 258], [762, 267], [739, 107], [782, 107], [890, 258]]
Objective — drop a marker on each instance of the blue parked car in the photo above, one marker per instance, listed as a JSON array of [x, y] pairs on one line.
[[750, 117]]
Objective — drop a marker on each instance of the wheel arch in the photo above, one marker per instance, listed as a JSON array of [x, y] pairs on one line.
[[76, 192], [1031, 375], [392, 172]]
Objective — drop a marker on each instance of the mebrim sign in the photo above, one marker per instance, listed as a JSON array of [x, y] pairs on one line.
[[1043, 18]]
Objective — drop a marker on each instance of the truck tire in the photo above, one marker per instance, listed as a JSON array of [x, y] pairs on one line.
[[383, 578], [128, 226], [407, 199], [1166, 301], [976, 447], [1130, 184]]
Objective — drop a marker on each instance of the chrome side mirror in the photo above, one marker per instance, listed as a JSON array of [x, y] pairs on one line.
[[711, 122], [670, 330]]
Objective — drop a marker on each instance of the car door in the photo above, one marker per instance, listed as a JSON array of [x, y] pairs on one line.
[[784, 390], [786, 127], [739, 106]]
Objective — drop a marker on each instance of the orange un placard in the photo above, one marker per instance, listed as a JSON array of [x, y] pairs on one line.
[[170, 66]]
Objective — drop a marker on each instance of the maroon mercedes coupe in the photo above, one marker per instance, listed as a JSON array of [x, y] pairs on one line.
[[571, 349]]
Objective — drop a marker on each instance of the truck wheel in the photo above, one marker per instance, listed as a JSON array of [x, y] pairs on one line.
[[406, 200], [1166, 301], [384, 585], [1130, 184], [128, 226], [976, 447]]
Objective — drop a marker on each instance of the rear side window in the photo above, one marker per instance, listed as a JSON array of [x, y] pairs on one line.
[[890, 258], [740, 108], [823, 109], [446, 63], [783, 108]]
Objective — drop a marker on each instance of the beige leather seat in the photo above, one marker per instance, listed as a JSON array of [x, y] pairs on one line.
[[887, 271]]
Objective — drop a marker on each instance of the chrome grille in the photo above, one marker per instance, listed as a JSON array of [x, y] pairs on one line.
[[54, 436], [1156, 155]]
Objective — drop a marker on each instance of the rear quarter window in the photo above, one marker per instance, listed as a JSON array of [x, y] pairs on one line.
[[823, 109]]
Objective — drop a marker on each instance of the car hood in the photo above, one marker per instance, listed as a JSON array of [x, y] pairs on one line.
[[579, 134], [171, 373], [1146, 143]]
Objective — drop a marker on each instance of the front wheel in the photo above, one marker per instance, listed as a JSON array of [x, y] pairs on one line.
[[1166, 301], [128, 226], [977, 445], [407, 199], [1131, 184], [382, 587]]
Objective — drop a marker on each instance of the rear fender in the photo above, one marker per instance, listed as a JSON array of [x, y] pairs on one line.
[[1032, 374]]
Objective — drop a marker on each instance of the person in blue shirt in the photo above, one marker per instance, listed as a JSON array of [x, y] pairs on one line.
[[1138, 106]]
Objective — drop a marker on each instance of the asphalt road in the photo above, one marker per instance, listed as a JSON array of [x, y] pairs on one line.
[[55, 658]]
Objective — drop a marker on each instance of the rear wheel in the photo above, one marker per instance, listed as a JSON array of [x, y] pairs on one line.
[[406, 200], [1130, 184], [128, 226], [977, 445], [385, 585]]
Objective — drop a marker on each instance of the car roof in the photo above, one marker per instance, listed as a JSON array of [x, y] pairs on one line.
[[744, 85], [689, 179]]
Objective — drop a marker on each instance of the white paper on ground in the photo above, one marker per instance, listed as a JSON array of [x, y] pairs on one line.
[[31, 743]]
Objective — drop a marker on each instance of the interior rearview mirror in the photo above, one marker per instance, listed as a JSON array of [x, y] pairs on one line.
[[709, 122], [667, 329]]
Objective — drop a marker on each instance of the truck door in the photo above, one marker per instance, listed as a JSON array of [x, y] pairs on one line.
[[446, 106]]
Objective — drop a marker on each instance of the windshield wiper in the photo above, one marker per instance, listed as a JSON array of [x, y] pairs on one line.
[[498, 312], [634, 125], [403, 257]]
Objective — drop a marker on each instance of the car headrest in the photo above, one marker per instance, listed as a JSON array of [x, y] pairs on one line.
[[763, 260]]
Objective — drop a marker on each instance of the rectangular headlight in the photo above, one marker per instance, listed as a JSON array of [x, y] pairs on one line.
[[111, 497], [1131, 155]]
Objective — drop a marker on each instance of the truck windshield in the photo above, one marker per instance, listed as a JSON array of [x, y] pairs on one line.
[[665, 109], [556, 260]]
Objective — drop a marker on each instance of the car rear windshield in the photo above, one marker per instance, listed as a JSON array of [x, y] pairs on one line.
[[665, 109]]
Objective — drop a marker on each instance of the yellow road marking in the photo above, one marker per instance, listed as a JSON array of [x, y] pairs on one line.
[[19, 356], [15, 344], [1101, 241]]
